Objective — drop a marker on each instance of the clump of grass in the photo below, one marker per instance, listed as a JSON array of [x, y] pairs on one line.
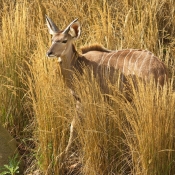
[[13, 49], [91, 124], [52, 105], [147, 121]]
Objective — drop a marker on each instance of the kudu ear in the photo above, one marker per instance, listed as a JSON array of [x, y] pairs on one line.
[[53, 29], [73, 29]]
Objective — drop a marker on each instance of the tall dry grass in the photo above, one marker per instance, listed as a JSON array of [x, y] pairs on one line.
[[112, 136]]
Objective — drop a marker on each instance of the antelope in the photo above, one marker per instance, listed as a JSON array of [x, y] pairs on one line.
[[134, 62]]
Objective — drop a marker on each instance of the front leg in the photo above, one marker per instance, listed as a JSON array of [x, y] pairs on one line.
[[74, 121]]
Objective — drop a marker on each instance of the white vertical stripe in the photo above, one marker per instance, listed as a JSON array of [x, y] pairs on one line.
[[147, 54], [135, 64], [149, 67], [129, 69], [124, 60], [102, 60], [116, 65], [108, 65]]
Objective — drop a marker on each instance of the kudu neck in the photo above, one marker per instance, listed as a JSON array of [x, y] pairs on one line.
[[69, 59], [68, 62]]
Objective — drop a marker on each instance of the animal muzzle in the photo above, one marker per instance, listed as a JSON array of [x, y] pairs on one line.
[[50, 54]]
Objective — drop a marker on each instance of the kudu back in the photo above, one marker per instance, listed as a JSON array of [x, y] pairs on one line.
[[129, 62]]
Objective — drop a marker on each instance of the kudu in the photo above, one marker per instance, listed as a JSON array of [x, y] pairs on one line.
[[134, 62]]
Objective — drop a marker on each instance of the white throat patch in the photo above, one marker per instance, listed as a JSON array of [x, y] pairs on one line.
[[59, 59]]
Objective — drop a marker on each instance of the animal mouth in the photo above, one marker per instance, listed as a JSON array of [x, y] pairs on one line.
[[50, 55]]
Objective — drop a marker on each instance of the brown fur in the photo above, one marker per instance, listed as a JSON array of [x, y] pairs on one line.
[[94, 48], [75, 29], [141, 63]]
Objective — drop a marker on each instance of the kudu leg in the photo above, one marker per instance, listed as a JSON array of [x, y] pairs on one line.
[[73, 123], [71, 136]]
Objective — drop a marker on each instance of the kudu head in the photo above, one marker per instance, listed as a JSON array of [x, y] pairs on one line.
[[62, 39]]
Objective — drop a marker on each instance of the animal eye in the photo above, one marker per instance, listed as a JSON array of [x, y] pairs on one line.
[[64, 41]]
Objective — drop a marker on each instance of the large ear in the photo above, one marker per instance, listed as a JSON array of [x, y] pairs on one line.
[[73, 29], [53, 29]]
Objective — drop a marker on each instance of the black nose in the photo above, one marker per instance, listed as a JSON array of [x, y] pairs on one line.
[[49, 53]]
